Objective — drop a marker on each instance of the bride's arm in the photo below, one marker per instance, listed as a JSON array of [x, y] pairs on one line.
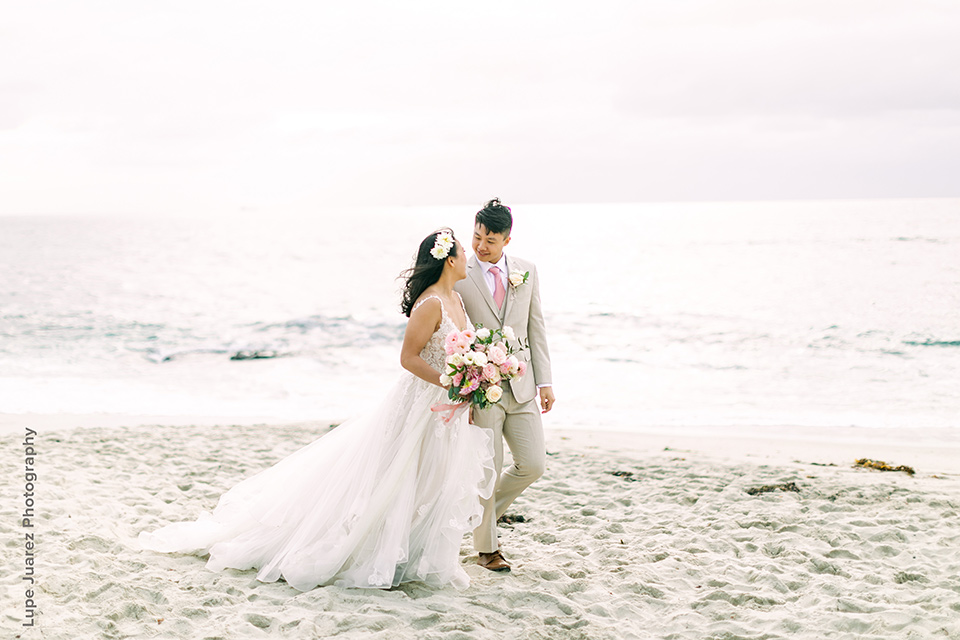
[[424, 320]]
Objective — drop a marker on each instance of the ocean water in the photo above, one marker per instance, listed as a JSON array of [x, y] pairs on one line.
[[831, 313]]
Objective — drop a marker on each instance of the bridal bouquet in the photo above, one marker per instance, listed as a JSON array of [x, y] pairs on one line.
[[478, 363]]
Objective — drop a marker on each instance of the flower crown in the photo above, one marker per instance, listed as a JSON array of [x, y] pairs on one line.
[[442, 245]]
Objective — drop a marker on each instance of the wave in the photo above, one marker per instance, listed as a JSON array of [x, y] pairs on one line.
[[918, 239], [933, 343], [313, 336]]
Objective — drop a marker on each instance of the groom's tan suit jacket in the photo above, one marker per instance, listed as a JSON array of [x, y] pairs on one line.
[[521, 311]]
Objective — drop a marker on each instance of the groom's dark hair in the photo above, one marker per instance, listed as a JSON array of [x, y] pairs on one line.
[[496, 217]]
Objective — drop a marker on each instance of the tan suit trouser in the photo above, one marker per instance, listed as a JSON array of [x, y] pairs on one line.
[[520, 425]]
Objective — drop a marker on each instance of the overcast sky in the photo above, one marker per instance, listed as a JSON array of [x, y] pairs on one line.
[[135, 106]]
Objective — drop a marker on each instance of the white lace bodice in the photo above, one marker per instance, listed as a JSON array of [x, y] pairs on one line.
[[433, 353]]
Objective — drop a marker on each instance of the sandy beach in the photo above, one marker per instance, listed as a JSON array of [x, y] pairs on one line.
[[640, 535]]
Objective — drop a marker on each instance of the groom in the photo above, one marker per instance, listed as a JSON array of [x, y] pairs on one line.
[[505, 291]]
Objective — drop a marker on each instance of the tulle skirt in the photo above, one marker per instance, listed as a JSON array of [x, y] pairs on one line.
[[384, 498]]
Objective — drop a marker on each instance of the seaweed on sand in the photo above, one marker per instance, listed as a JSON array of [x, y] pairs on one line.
[[785, 486], [882, 466]]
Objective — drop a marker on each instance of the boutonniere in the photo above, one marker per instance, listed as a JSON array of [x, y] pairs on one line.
[[518, 278]]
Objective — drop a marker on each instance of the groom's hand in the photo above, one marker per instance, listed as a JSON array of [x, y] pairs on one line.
[[546, 398]]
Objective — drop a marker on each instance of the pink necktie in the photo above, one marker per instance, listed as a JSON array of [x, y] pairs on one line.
[[498, 291]]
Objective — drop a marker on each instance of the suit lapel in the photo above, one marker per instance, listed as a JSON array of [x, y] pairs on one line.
[[509, 293], [476, 275]]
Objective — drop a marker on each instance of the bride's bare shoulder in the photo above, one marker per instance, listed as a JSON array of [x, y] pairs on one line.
[[427, 311], [428, 300]]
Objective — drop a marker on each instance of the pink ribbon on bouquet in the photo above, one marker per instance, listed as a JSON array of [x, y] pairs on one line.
[[453, 410]]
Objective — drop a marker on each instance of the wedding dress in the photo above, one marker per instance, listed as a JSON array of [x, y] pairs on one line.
[[384, 498]]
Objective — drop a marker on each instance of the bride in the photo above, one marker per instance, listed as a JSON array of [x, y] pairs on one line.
[[386, 497]]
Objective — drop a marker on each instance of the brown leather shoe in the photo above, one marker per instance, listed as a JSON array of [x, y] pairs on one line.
[[493, 561]]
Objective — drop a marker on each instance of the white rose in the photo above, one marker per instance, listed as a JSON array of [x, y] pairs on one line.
[[516, 278], [494, 393], [514, 363], [483, 333], [509, 334], [446, 380], [455, 360], [479, 359]]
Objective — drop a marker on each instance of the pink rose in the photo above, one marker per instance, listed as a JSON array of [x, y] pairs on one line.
[[522, 368], [505, 368], [496, 355], [490, 372]]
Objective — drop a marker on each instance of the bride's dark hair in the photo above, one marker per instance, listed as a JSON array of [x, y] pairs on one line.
[[425, 271]]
